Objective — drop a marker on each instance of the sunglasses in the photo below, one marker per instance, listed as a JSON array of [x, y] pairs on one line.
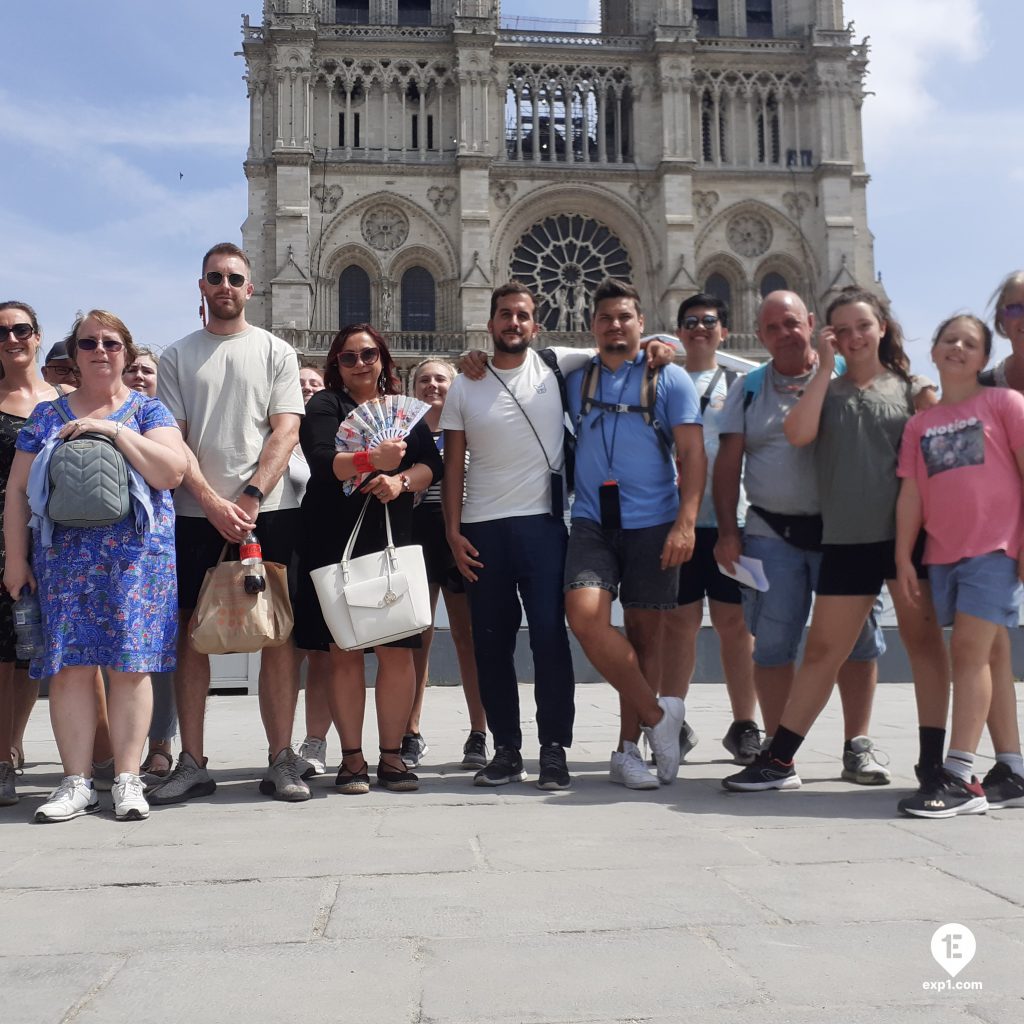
[[367, 356], [708, 320], [91, 344], [216, 278], [20, 331], [61, 371], [1014, 311]]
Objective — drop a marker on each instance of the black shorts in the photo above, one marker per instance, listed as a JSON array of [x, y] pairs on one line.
[[701, 575], [199, 546], [859, 570], [8, 639], [428, 531]]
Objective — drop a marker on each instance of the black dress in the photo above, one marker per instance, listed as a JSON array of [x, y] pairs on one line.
[[9, 427], [328, 515]]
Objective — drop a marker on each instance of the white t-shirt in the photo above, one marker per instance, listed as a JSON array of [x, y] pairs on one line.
[[508, 473], [225, 388], [711, 414]]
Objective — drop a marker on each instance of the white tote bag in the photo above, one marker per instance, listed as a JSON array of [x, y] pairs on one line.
[[374, 599]]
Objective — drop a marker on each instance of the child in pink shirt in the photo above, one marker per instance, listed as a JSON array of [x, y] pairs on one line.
[[962, 463]]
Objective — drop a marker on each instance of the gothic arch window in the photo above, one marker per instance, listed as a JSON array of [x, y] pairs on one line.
[[713, 127], [768, 143], [561, 260], [719, 286], [773, 281], [352, 12], [759, 19], [419, 300], [354, 298]]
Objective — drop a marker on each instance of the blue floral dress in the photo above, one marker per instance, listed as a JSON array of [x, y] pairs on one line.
[[109, 596]]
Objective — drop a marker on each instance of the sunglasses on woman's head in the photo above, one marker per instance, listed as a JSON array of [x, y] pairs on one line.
[[91, 344], [20, 331], [215, 277], [367, 356]]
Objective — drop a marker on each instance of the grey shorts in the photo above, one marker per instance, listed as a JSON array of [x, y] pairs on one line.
[[626, 563]]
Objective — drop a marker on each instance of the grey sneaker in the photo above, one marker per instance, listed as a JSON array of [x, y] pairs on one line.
[[861, 764], [743, 741], [188, 780], [129, 799], [414, 749], [103, 775], [664, 738], [71, 799], [8, 794], [312, 755], [474, 751], [282, 779]]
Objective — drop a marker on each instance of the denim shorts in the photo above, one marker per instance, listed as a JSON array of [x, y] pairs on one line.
[[985, 586], [777, 616], [626, 563]]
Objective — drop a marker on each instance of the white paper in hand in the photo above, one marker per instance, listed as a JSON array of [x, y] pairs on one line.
[[749, 572]]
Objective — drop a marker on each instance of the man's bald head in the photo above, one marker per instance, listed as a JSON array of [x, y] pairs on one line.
[[785, 328]]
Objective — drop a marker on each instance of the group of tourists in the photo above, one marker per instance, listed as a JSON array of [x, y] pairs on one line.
[[831, 465]]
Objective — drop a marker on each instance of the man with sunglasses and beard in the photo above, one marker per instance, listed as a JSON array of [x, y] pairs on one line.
[[234, 390]]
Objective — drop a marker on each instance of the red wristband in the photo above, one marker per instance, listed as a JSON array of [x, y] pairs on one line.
[[363, 462]]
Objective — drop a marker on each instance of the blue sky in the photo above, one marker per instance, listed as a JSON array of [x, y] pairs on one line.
[[126, 126]]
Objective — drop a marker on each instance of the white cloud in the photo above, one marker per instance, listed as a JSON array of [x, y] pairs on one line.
[[909, 39]]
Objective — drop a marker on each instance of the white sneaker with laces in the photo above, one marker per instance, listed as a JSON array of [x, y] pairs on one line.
[[312, 751], [664, 738], [628, 769], [71, 799], [129, 796]]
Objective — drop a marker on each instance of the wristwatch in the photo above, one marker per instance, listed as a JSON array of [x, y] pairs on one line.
[[252, 491]]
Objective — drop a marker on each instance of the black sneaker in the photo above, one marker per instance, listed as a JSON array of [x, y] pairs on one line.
[[764, 773], [554, 774], [506, 766], [743, 741], [945, 797], [474, 751], [1003, 787]]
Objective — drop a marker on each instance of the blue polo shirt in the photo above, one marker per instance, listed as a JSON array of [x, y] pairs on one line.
[[622, 447]]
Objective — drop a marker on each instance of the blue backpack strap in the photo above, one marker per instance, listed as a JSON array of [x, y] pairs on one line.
[[753, 382]]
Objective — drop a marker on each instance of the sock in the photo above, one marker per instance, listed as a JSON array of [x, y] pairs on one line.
[[960, 763], [932, 742], [785, 744], [1015, 761], [88, 782]]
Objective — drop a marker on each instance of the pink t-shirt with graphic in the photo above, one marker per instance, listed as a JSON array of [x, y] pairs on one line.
[[962, 457]]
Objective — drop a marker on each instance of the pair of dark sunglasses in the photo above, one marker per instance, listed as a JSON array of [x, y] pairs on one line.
[[216, 278], [20, 331], [708, 320], [367, 356], [91, 344], [1014, 311]]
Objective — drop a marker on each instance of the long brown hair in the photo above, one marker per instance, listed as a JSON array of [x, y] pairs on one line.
[[387, 383], [890, 349]]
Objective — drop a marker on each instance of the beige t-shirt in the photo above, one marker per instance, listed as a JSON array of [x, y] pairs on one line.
[[225, 388]]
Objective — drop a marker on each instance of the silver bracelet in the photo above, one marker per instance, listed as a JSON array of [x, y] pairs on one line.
[[117, 430]]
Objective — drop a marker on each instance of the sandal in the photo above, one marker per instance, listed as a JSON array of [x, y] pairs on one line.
[[18, 760], [393, 779], [353, 782], [151, 775]]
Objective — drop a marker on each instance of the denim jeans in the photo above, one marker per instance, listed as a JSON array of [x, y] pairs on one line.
[[523, 556]]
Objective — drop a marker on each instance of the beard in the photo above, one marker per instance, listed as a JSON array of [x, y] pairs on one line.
[[226, 308], [511, 345]]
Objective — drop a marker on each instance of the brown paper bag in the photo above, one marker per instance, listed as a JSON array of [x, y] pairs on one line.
[[227, 620]]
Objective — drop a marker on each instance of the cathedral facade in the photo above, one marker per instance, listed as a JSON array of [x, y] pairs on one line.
[[406, 156]]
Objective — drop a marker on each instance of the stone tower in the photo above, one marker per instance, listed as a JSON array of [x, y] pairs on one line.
[[408, 155]]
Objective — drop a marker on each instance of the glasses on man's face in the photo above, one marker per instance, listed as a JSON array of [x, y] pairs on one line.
[[1013, 311], [60, 371], [20, 331], [216, 278], [708, 320], [367, 356], [91, 344]]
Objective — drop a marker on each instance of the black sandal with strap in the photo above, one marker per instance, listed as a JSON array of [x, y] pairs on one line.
[[353, 782], [393, 779]]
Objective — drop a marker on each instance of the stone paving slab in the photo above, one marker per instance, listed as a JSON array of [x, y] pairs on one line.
[[460, 905]]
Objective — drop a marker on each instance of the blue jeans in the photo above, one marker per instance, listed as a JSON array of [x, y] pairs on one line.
[[523, 556]]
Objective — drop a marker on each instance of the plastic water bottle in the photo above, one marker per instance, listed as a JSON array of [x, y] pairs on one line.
[[250, 553], [28, 626]]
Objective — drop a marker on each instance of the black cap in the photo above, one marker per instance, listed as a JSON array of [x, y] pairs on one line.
[[58, 354]]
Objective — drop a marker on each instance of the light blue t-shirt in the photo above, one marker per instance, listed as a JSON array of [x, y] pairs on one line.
[[622, 447]]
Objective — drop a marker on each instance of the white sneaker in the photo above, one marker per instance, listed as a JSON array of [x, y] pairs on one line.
[[664, 738], [129, 798], [71, 799], [628, 769], [313, 752]]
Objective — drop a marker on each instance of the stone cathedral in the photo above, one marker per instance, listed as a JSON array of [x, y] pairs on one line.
[[406, 156]]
